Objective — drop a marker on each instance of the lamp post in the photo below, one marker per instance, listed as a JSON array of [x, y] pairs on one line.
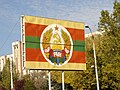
[[96, 72]]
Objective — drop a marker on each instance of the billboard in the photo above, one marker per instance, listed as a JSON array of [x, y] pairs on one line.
[[53, 44]]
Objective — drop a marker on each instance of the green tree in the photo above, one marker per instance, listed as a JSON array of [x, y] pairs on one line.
[[14, 73], [6, 75], [108, 56], [0, 76], [109, 50], [40, 80], [28, 83]]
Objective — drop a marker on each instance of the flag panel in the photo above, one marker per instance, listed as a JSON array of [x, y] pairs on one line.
[[54, 44]]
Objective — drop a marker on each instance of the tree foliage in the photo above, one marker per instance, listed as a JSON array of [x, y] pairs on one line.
[[28, 83], [107, 53], [6, 75], [40, 80]]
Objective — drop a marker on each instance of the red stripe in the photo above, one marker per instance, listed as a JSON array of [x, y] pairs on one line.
[[77, 57], [76, 34], [36, 55], [37, 29], [34, 29]]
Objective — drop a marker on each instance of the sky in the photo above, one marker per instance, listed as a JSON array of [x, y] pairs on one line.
[[87, 11]]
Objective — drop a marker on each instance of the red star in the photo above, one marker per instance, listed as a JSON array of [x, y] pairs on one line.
[[56, 28]]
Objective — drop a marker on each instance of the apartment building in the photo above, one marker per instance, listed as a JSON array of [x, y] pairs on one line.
[[3, 60], [16, 57]]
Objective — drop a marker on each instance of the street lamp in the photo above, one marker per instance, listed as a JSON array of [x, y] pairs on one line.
[[96, 72]]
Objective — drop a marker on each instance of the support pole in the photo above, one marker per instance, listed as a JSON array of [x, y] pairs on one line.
[[23, 44], [96, 66], [96, 72], [49, 77], [63, 85], [11, 76]]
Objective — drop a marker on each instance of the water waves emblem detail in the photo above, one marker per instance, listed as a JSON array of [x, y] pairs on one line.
[[56, 44]]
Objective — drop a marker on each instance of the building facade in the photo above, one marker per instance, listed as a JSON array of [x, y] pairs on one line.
[[3, 60], [16, 57]]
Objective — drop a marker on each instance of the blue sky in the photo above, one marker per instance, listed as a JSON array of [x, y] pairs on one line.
[[87, 11]]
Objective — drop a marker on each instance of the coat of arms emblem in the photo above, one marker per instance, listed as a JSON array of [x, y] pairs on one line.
[[56, 44]]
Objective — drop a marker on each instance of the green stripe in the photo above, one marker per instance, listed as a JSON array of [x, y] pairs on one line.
[[34, 42], [37, 39], [32, 45], [32, 39], [78, 42], [79, 45], [79, 48]]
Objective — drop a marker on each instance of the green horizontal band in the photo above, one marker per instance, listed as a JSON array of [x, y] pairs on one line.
[[37, 40], [78, 42], [32, 39], [32, 45], [34, 42], [79, 48]]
